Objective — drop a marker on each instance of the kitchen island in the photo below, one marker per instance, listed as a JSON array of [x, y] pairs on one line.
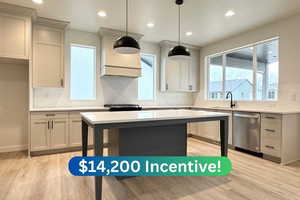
[[143, 123]]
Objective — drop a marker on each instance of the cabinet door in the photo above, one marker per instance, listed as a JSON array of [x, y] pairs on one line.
[[14, 37], [48, 67], [59, 133], [75, 132], [209, 130], [40, 135], [194, 71], [184, 80], [172, 75]]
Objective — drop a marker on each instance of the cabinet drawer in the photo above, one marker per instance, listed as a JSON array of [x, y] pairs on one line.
[[271, 125], [271, 117], [271, 146], [49, 115], [271, 133]]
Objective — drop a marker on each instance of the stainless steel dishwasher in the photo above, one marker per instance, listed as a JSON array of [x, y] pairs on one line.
[[246, 131]]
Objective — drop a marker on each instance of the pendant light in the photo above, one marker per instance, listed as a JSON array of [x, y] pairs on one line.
[[179, 51], [126, 44]]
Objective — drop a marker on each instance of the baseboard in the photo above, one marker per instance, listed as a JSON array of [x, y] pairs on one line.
[[14, 148]]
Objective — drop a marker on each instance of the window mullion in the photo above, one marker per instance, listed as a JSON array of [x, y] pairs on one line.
[[208, 77], [254, 72], [224, 76]]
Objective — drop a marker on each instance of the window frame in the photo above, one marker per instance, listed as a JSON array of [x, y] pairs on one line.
[[95, 72], [254, 67], [154, 80]]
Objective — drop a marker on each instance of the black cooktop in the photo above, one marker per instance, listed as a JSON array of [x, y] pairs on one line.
[[123, 107]]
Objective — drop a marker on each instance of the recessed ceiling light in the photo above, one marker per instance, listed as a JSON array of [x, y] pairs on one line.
[[38, 1], [102, 13], [270, 52], [229, 13], [150, 24], [189, 33]]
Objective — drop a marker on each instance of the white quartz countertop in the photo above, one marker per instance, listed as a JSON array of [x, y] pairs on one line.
[[156, 107], [258, 110], [67, 109], [150, 115]]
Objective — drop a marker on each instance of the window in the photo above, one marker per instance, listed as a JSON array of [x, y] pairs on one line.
[[83, 72], [146, 81], [250, 73]]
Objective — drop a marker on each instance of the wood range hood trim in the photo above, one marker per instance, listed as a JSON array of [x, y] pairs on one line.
[[113, 64]]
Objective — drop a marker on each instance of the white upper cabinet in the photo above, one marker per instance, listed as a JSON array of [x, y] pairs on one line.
[[179, 76], [15, 32], [48, 53], [114, 64]]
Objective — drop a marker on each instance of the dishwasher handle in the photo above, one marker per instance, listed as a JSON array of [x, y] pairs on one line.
[[256, 116]]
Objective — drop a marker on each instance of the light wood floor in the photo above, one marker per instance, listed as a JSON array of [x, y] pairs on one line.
[[47, 177]]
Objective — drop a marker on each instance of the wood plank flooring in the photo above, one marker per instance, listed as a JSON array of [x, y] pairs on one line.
[[47, 178]]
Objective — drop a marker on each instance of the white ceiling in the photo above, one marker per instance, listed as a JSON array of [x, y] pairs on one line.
[[205, 18]]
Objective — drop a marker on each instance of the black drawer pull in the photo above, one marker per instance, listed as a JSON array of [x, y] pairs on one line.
[[269, 147], [270, 130], [50, 115], [270, 117]]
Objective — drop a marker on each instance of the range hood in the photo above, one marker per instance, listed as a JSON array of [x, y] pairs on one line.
[[114, 64]]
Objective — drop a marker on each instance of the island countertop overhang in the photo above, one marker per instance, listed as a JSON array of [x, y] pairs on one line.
[[94, 118]]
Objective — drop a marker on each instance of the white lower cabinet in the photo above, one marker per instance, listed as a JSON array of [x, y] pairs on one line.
[[210, 130], [49, 131], [271, 135], [59, 133], [75, 132], [40, 135]]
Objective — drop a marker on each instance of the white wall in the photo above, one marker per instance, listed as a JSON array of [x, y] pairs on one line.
[[14, 100], [109, 89], [289, 69]]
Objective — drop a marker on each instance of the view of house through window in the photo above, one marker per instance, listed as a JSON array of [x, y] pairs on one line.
[[250, 73], [83, 73], [146, 81]]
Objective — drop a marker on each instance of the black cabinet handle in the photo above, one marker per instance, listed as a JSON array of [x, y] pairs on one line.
[[269, 147], [270, 130], [267, 117]]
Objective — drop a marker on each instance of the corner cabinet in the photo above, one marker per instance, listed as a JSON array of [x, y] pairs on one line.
[[48, 53], [179, 75]]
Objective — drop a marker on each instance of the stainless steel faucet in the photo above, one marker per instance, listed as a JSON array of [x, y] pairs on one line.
[[232, 104]]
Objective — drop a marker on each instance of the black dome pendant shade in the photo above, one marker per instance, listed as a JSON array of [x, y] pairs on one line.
[[179, 51], [126, 44]]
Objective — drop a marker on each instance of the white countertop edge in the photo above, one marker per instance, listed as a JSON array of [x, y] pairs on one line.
[[206, 115], [61, 109], [257, 110]]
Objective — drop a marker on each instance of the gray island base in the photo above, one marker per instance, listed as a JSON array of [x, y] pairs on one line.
[[146, 133]]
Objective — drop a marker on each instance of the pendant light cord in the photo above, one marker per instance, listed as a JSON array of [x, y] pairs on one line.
[[179, 33], [126, 17]]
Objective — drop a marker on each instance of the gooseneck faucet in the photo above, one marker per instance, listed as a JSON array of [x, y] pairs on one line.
[[232, 105]]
